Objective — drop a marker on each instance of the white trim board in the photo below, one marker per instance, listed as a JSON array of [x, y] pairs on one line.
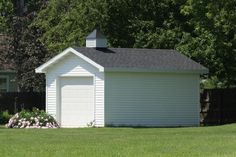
[[43, 68]]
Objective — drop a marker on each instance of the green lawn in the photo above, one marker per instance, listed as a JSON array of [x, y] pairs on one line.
[[216, 141]]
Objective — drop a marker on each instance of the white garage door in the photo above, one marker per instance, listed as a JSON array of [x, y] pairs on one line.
[[77, 101]]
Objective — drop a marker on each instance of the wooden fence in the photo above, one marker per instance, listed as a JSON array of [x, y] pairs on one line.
[[218, 106], [16, 101]]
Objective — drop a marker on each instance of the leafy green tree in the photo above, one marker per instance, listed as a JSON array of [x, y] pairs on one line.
[[126, 23], [213, 39], [26, 51], [157, 24], [6, 11], [203, 30], [67, 22]]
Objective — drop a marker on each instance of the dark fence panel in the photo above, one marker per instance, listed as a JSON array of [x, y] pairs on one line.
[[218, 106], [16, 101]]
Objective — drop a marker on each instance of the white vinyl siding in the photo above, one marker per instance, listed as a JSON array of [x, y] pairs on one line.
[[73, 66], [99, 112], [151, 99]]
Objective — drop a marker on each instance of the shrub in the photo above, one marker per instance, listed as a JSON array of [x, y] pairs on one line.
[[35, 119], [4, 117]]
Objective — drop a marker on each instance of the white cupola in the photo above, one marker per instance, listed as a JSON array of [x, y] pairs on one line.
[[96, 40]]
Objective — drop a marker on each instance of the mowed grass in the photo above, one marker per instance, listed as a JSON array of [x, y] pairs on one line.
[[215, 141]]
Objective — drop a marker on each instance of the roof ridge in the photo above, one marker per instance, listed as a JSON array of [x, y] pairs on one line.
[[127, 48]]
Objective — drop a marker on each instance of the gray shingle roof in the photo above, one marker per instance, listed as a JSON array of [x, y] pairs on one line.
[[96, 34], [149, 59]]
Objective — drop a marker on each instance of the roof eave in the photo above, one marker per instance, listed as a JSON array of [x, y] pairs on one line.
[[197, 71], [37, 70]]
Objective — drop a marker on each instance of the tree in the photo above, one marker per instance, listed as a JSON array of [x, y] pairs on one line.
[[6, 11], [67, 22], [213, 39], [203, 30], [26, 51]]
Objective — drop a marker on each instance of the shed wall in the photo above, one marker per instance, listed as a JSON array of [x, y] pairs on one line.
[[73, 66], [151, 99]]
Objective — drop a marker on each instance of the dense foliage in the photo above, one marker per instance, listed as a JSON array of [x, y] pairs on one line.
[[213, 37], [6, 10], [4, 117], [203, 30], [26, 51]]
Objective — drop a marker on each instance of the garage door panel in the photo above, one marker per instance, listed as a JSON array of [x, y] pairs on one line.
[[75, 89], [77, 101], [74, 94], [82, 100], [71, 107], [74, 81]]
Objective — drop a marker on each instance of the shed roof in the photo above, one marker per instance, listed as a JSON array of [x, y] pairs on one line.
[[132, 59]]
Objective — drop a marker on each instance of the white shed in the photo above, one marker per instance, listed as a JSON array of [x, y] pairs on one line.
[[122, 86]]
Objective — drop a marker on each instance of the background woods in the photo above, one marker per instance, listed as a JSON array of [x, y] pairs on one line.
[[203, 30]]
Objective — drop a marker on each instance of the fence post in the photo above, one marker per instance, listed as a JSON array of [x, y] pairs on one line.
[[22, 106], [15, 104], [221, 105]]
